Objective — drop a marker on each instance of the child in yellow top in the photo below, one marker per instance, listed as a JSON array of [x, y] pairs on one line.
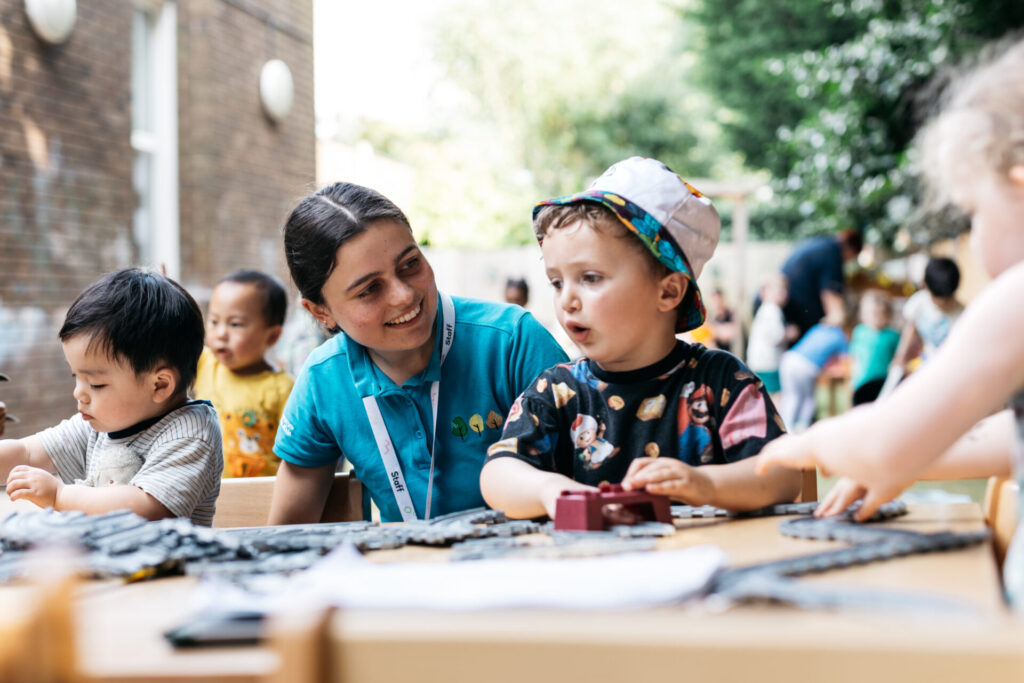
[[244, 320]]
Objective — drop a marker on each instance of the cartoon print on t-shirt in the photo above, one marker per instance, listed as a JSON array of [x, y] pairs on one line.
[[248, 436], [588, 440], [694, 421], [582, 374]]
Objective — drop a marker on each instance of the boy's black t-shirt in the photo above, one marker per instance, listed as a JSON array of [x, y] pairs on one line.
[[698, 405]]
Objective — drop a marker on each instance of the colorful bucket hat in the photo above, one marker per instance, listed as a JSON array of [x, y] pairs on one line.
[[674, 221]]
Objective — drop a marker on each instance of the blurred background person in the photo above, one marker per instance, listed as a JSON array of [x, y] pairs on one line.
[[815, 273], [517, 291], [801, 365], [768, 339], [930, 313], [872, 347], [724, 326]]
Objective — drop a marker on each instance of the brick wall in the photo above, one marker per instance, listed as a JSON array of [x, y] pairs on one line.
[[240, 174], [65, 167]]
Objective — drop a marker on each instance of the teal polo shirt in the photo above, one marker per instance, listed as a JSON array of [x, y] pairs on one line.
[[497, 351]]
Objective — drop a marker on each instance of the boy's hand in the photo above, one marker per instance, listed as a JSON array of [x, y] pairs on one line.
[[669, 477], [33, 484]]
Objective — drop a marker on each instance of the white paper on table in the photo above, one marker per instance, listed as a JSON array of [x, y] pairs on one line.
[[346, 579]]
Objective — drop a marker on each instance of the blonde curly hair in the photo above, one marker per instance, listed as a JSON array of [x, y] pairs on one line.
[[980, 131]]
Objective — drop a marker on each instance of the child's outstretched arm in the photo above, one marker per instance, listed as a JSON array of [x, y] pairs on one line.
[[28, 451], [45, 489], [734, 486], [885, 446], [984, 451], [521, 490]]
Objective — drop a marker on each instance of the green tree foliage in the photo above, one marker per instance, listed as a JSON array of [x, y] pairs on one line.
[[829, 96], [737, 40], [549, 95]]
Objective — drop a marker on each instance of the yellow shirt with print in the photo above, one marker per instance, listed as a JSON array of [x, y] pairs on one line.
[[249, 408]]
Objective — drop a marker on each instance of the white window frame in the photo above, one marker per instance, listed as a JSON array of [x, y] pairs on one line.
[[159, 236]]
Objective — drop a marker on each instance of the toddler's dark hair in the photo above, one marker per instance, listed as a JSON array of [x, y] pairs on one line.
[[142, 318], [275, 300], [942, 277]]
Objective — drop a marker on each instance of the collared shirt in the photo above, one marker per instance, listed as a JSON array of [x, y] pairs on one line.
[[498, 349], [180, 452]]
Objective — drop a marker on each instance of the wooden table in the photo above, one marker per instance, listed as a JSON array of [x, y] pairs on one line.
[[119, 627]]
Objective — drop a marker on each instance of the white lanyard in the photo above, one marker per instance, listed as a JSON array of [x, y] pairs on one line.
[[383, 439]]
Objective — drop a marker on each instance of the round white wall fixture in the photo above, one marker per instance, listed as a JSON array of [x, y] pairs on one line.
[[52, 20], [277, 89]]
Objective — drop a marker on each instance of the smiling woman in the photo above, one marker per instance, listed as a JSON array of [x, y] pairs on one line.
[[418, 383]]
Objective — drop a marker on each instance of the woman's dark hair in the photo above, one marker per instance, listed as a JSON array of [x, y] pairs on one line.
[[275, 301], [324, 221], [142, 318], [942, 276]]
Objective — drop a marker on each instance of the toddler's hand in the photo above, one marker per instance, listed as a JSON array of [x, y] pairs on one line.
[[845, 493], [822, 447], [669, 477], [33, 484]]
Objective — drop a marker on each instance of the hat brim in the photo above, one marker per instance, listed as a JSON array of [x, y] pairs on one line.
[[657, 240]]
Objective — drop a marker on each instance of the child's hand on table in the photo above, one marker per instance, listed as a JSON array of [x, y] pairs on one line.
[[669, 477], [831, 446], [33, 484]]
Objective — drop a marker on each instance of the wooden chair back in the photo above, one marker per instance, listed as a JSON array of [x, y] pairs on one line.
[[1000, 507], [300, 639], [245, 501], [808, 486]]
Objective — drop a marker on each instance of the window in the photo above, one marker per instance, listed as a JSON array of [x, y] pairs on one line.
[[155, 137]]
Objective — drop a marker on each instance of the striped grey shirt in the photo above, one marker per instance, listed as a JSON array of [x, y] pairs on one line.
[[181, 453]]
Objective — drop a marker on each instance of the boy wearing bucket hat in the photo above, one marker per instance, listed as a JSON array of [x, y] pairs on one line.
[[640, 407]]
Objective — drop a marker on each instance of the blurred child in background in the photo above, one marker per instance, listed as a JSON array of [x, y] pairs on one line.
[[872, 347], [517, 292], [245, 318], [724, 326], [768, 339], [800, 367], [930, 313]]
